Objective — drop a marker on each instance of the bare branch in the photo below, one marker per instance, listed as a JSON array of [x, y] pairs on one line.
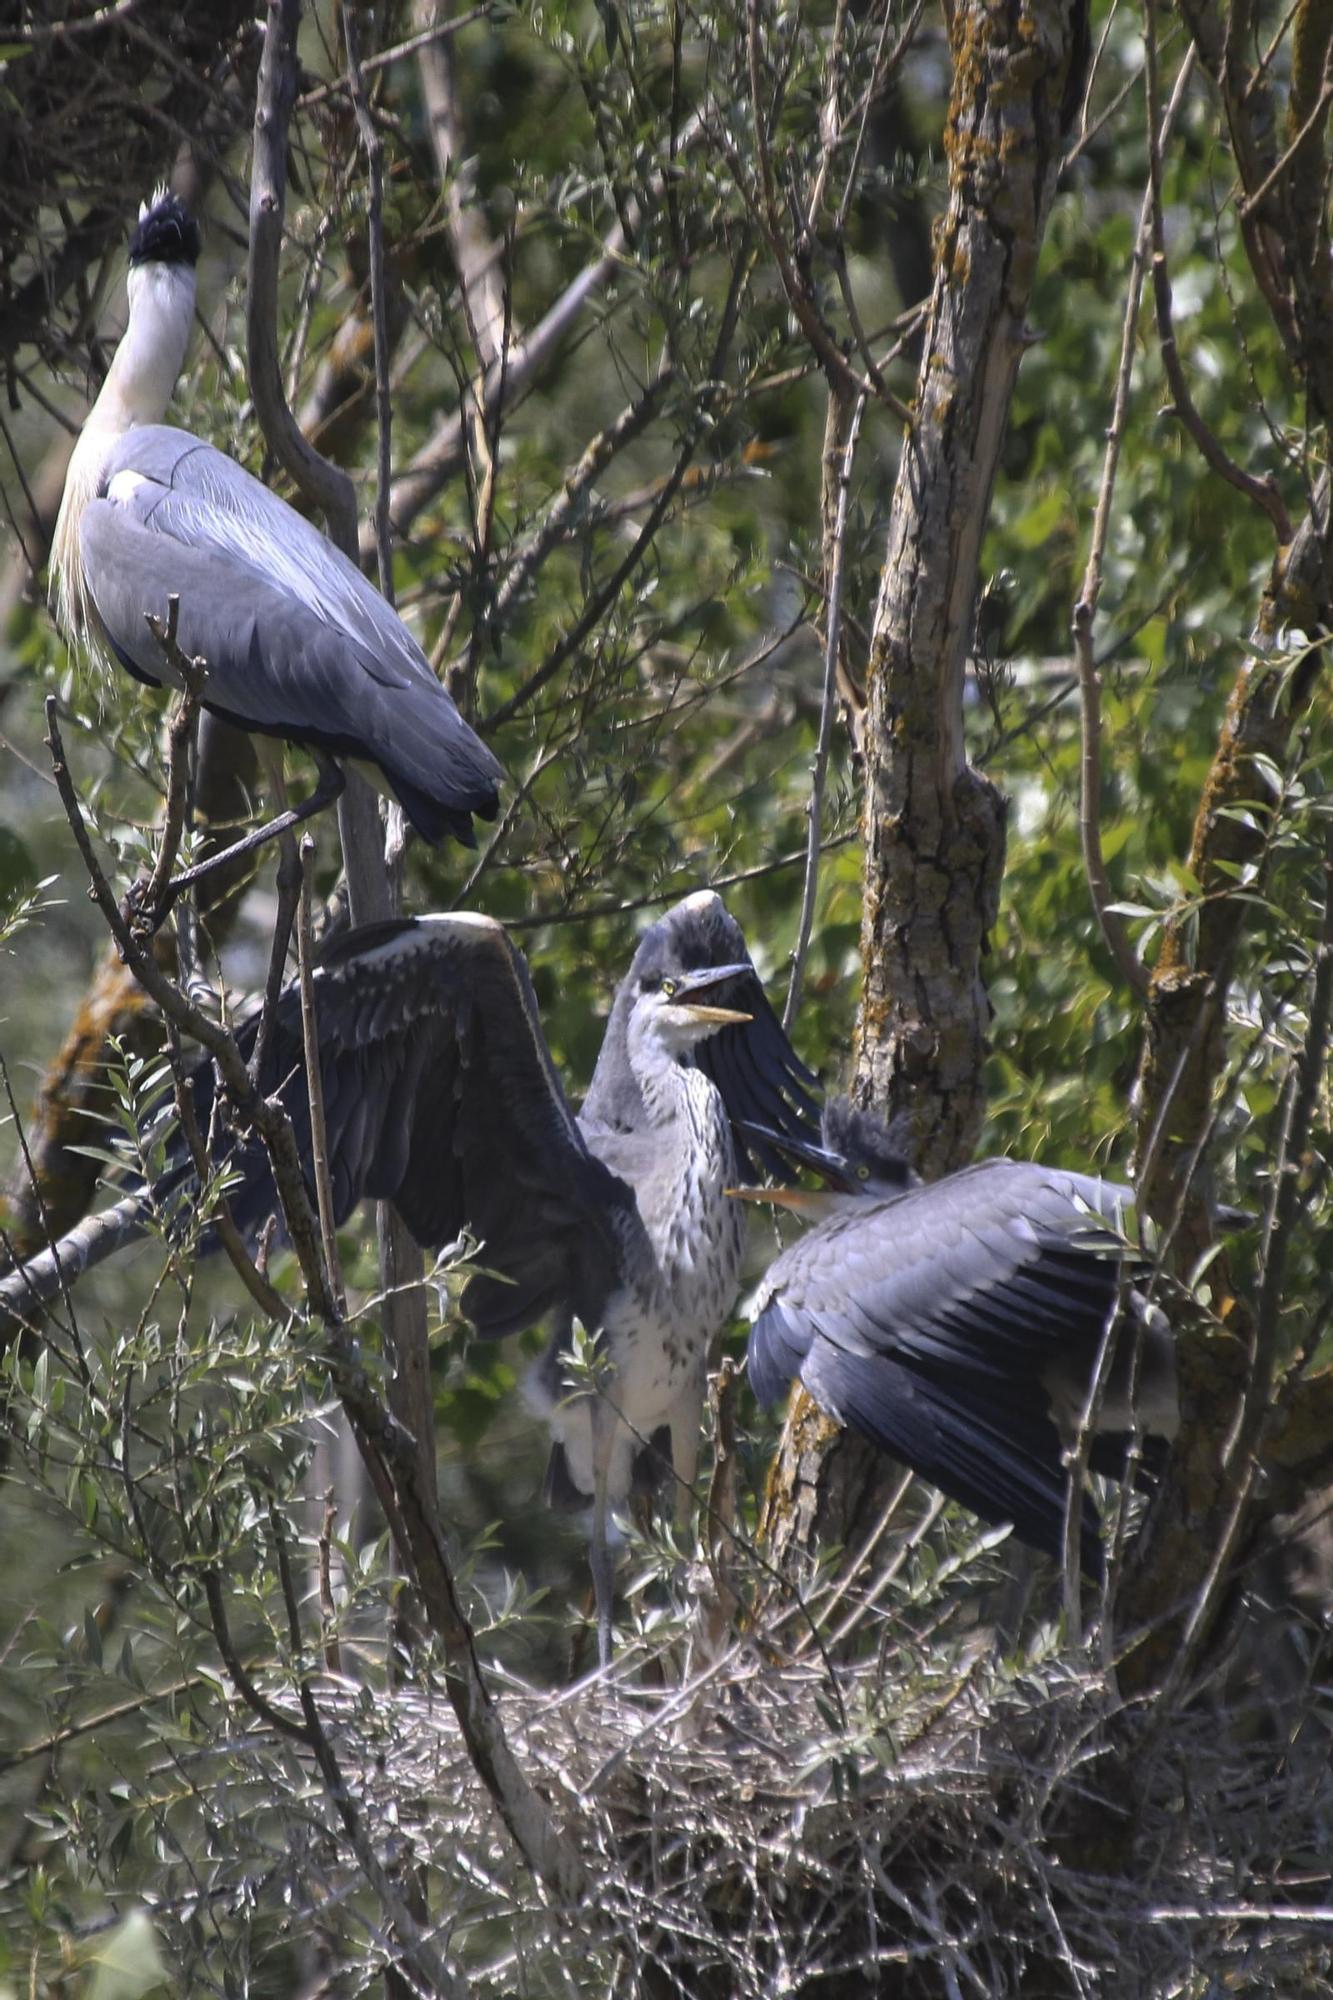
[[832, 648], [328, 488], [38, 1279], [319, 1146], [1263, 492]]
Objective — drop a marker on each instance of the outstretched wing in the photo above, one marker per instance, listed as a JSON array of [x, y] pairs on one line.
[[934, 1321], [440, 1097], [1001, 1458], [297, 642], [762, 1079]]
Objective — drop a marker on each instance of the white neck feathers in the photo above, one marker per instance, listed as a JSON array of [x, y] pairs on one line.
[[137, 390]]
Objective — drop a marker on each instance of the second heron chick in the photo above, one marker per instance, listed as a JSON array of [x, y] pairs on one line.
[[958, 1324]]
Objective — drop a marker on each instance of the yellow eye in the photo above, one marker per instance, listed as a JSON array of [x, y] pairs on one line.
[[669, 987], [863, 1173]]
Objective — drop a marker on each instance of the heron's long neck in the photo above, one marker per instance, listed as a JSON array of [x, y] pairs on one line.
[[660, 1078], [698, 1234], [137, 390]]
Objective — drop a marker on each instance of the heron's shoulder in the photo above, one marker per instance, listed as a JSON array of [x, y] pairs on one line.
[[160, 451], [1043, 1195]]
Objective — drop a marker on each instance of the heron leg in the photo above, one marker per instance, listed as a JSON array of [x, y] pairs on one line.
[[289, 896], [686, 1424], [331, 785], [600, 1558]]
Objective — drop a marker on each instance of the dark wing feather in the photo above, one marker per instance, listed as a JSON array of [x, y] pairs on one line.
[[929, 1321], [440, 1097], [296, 642], [759, 1074], [1003, 1462], [991, 1272]]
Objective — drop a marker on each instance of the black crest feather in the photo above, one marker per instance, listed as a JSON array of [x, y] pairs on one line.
[[166, 232]]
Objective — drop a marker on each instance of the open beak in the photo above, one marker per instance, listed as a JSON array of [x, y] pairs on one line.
[[831, 1168], [801, 1201], [706, 980]]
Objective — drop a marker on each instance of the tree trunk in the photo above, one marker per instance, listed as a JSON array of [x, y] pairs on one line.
[[934, 828]]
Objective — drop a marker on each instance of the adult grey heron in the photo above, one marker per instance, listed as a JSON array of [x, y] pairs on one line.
[[440, 1096], [297, 644], [957, 1325]]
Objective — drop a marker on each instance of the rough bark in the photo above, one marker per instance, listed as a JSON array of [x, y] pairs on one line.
[[934, 828]]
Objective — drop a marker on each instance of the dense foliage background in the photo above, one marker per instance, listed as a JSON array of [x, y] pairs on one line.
[[615, 542]]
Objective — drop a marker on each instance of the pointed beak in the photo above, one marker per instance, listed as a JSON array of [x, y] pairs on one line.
[[706, 980], [831, 1168], [801, 1201]]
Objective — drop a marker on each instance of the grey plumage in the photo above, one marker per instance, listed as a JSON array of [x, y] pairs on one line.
[[764, 1082], [441, 1097], [296, 643], [957, 1325]]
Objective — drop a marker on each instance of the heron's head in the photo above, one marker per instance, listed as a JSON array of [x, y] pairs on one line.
[[164, 250], [675, 1010], [861, 1159]]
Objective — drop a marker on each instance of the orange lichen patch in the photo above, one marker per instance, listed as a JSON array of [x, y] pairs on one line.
[[69, 1109]]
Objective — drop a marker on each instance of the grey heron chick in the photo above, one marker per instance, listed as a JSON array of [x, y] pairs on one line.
[[957, 1325], [298, 645], [440, 1096]]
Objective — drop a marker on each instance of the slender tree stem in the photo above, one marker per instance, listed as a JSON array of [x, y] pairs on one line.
[[814, 809]]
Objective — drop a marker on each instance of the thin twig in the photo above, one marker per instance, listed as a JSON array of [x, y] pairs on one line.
[[269, 1301], [328, 1614], [596, 607], [374, 148], [832, 645], [1263, 492], [28, 1293], [800, 298], [238, 1673], [75, 24], [191, 674], [440, 458], [319, 1145], [440, 31], [439, 1981], [330, 489], [596, 456], [1114, 934], [1253, 201], [1284, 1207]]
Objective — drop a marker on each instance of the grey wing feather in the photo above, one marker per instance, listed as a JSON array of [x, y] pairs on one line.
[[297, 643], [996, 1269], [930, 1322], [440, 1097], [1003, 1461]]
